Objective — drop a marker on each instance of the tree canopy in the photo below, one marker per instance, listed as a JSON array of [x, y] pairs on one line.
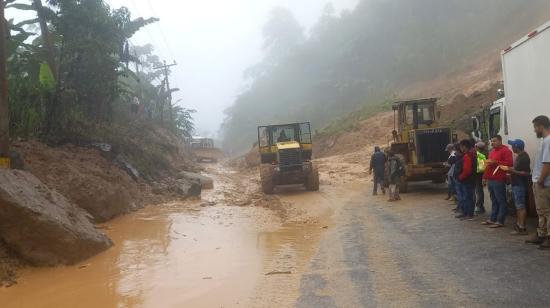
[[90, 73]]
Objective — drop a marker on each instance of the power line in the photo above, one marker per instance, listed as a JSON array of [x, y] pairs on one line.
[[165, 39], [151, 37]]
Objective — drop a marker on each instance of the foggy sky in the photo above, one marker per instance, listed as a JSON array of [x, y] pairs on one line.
[[213, 41]]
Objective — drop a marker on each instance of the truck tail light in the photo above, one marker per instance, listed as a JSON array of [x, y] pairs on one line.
[[533, 34]]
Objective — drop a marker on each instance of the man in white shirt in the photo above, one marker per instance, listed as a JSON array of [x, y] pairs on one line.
[[541, 183]]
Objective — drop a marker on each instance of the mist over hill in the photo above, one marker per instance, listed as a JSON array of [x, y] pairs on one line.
[[364, 56]]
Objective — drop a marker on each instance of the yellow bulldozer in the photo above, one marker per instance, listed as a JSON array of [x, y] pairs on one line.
[[420, 141], [285, 153]]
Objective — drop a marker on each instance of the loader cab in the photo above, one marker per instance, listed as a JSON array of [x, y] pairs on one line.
[[276, 141], [414, 115]]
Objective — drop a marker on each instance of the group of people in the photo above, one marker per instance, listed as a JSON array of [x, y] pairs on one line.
[[388, 169], [472, 168]]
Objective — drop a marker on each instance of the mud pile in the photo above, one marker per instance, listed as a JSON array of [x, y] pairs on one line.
[[367, 133], [459, 112], [86, 178]]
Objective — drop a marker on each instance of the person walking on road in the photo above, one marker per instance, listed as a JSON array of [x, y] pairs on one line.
[[478, 178], [451, 187], [541, 183], [378, 165], [499, 156], [520, 175], [465, 174], [396, 170]]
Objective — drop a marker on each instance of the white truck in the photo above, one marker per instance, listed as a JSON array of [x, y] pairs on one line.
[[526, 69]]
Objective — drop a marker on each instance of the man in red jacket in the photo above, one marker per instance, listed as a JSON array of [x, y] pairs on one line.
[[495, 177]]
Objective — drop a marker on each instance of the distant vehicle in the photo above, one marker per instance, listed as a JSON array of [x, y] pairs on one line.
[[285, 153], [203, 149], [421, 141]]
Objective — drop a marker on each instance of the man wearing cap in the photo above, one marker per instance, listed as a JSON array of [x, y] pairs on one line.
[[478, 183], [520, 175], [541, 183], [499, 156]]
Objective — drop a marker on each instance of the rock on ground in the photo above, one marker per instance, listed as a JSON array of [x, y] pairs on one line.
[[41, 226], [204, 181]]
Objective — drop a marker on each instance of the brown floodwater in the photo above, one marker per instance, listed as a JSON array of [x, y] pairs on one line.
[[164, 256], [176, 255]]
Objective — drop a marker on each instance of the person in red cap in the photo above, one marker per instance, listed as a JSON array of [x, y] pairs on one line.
[[495, 177], [520, 176]]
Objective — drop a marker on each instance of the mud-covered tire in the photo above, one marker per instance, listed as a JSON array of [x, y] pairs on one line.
[[266, 178], [312, 180], [404, 185]]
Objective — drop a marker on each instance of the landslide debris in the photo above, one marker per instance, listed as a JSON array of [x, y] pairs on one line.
[[43, 227]]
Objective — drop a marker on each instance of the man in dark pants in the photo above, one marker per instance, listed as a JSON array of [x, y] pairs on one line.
[[495, 176], [378, 164], [465, 174], [478, 181]]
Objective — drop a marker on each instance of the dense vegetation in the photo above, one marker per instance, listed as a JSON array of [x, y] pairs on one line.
[[74, 67], [359, 58]]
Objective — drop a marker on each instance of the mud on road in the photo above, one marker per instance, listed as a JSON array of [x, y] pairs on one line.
[[233, 248]]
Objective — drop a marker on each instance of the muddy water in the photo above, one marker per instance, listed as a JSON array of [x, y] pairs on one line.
[[164, 256], [179, 255]]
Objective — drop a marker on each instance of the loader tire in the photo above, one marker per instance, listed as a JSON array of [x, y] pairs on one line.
[[312, 180], [266, 177]]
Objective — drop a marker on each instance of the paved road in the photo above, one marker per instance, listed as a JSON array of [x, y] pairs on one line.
[[416, 254]]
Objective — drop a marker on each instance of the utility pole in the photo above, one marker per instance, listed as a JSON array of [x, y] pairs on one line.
[[4, 107], [168, 90]]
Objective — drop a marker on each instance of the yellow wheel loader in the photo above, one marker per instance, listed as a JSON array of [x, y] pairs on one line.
[[285, 154]]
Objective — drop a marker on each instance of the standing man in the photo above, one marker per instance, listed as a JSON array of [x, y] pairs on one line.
[[541, 183], [396, 170], [451, 187], [500, 155], [458, 185], [478, 178], [466, 177], [378, 164], [520, 176]]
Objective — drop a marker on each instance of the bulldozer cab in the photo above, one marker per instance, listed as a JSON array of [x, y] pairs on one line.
[[202, 143], [274, 138], [417, 114]]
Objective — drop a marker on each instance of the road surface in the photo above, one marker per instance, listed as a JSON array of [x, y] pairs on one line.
[[339, 247]]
